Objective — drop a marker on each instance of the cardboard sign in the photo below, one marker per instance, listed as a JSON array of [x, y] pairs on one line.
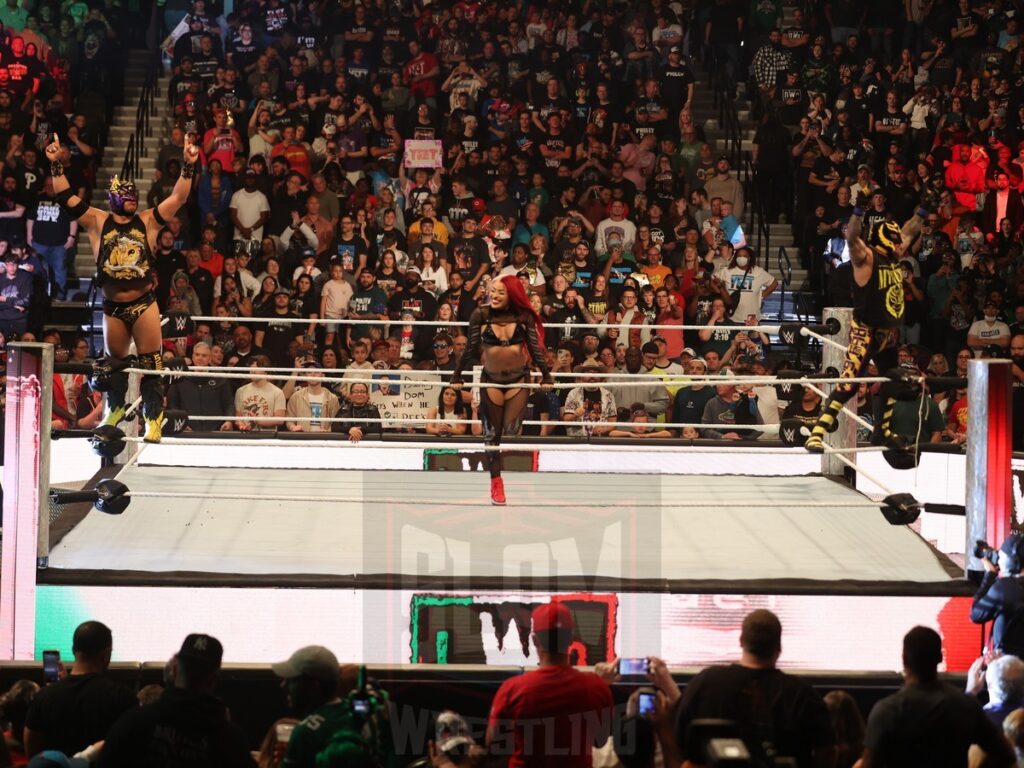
[[400, 396], [423, 153]]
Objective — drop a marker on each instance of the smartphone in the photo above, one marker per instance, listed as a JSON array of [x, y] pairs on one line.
[[361, 706], [633, 667], [51, 666], [646, 704]]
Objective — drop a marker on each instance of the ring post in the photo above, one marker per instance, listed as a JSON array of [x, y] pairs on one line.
[[26, 515], [989, 451], [833, 357]]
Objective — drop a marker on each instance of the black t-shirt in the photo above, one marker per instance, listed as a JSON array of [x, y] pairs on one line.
[[180, 728], [277, 336], [929, 725], [767, 705], [675, 80], [421, 305], [52, 222], [467, 254], [77, 711]]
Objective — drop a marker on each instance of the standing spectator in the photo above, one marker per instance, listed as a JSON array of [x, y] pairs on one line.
[[747, 284], [754, 691], [726, 186], [1003, 678], [250, 209], [52, 232], [187, 725], [78, 711], [1001, 203], [614, 230], [722, 36], [928, 722], [572, 708], [15, 297], [989, 331], [334, 300]]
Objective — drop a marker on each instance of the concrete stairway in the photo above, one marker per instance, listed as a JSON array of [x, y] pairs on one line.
[[118, 134]]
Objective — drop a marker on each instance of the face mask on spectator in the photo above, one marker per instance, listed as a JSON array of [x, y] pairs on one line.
[[742, 261]]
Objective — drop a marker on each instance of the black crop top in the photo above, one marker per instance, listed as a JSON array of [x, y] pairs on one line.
[[481, 334], [124, 258]]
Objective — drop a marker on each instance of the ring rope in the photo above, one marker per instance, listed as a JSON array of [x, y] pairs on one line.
[[845, 409], [805, 331], [277, 442], [393, 379], [458, 502]]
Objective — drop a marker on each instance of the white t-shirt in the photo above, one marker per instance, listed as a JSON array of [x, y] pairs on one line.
[[750, 285], [249, 206], [997, 333]]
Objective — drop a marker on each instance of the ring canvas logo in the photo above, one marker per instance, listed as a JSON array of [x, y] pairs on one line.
[[602, 540]]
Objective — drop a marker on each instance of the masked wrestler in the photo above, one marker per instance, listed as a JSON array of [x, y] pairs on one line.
[[124, 242], [878, 305]]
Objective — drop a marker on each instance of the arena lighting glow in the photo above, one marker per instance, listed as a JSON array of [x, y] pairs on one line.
[[263, 625]]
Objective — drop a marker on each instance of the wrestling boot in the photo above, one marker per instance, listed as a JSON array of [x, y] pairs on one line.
[[497, 491], [112, 414], [815, 443], [154, 429]]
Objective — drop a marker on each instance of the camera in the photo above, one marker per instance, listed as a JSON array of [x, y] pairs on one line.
[[985, 551]]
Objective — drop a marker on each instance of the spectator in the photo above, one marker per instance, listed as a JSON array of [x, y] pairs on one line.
[[79, 710], [360, 417], [311, 679], [1013, 727], [310, 406], [199, 396], [928, 722], [642, 424], [589, 402], [748, 285], [918, 420], [731, 407], [989, 331], [14, 706], [1003, 678], [753, 689], [556, 697], [250, 209], [15, 297], [848, 726], [334, 300], [52, 232], [276, 336], [651, 394], [260, 404], [451, 412], [187, 725]]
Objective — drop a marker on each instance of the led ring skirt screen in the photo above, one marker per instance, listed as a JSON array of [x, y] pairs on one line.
[[418, 580]]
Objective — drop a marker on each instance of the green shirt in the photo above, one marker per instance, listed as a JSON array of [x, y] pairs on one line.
[[315, 732], [905, 419]]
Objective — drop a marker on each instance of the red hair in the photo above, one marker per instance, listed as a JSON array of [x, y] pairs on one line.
[[519, 301]]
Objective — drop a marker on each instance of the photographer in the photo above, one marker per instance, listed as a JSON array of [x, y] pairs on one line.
[[1000, 598]]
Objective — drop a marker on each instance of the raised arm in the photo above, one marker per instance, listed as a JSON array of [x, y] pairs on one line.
[[859, 251], [182, 187], [88, 217]]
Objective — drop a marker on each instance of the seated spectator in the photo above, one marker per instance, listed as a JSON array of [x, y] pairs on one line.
[[14, 706], [806, 409], [311, 678], [361, 418], [572, 708], [652, 394], [1013, 728], [453, 412], [76, 712], [187, 725], [731, 407], [848, 726], [917, 420], [1003, 678], [260, 398], [956, 417], [754, 689], [589, 402], [641, 424], [275, 743], [311, 403], [15, 297], [198, 396], [690, 401], [928, 722]]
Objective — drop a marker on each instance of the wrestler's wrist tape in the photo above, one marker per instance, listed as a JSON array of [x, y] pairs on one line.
[[858, 211], [56, 168], [188, 170]]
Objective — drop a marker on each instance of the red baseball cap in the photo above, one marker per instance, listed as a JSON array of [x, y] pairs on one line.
[[552, 616]]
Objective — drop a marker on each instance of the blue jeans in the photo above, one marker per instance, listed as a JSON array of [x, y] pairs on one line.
[[55, 258]]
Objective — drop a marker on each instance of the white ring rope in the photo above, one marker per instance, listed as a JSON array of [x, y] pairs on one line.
[[463, 502], [467, 445], [392, 376], [852, 414], [805, 331], [771, 329]]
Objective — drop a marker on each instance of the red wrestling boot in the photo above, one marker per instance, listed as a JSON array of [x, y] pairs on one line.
[[497, 491]]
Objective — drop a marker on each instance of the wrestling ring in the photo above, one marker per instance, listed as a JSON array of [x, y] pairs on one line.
[[382, 544]]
